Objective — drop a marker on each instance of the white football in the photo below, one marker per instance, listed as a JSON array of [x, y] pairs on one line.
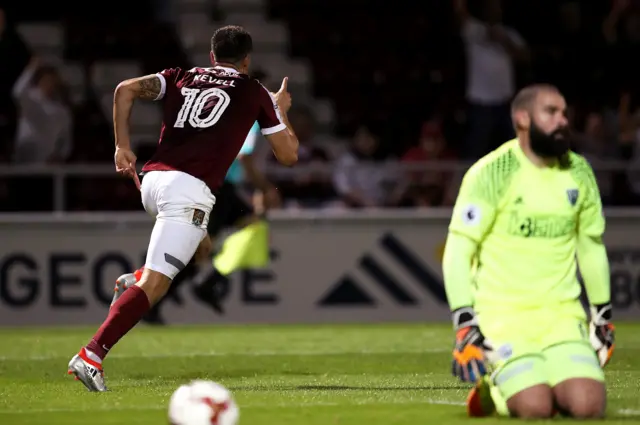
[[202, 403]]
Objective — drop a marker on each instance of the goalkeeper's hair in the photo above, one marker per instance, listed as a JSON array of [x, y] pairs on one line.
[[525, 97]]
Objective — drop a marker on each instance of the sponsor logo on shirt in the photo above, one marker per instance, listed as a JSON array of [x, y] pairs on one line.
[[542, 226]]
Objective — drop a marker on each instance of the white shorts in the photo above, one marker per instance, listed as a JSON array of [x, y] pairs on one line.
[[181, 205]]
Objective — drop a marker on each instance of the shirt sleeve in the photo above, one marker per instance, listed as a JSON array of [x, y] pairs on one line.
[[475, 208], [457, 264], [167, 76], [591, 220], [269, 118], [591, 252]]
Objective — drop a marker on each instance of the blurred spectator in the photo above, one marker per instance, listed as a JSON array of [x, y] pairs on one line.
[[627, 186], [14, 56], [595, 145], [621, 30], [491, 49], [426, 188], [310, 188], [45, 122], [585, 48], [358, 179]]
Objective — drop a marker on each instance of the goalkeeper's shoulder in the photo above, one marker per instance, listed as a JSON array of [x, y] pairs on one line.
[[581, 170], [490, 176]]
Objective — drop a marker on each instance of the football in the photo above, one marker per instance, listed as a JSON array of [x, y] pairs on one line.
[[202, 403]]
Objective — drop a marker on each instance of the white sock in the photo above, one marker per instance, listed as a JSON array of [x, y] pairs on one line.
[[93, 356]]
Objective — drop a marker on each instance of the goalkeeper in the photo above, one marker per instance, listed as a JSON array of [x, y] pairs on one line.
[[522, 215]]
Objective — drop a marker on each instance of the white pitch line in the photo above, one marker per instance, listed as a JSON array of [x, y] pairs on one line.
[[242, 406], [41, 357], [629, 412], [624, 412]]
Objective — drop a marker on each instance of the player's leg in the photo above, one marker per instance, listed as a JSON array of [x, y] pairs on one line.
[[154, 316], [198, 271], [149, 193], [172, 245], [518, 389], [581, 398], [184, 204], [211, 282], [574, 371], [518, 385], [126, 281], [208, 284]]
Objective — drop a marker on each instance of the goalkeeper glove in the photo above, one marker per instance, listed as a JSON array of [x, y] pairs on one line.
[[469, 357], [602, 332]]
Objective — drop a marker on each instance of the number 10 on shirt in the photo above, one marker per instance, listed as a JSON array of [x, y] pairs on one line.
[[193, 107]]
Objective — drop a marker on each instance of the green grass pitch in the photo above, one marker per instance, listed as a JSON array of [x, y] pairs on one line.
[[280, 375]]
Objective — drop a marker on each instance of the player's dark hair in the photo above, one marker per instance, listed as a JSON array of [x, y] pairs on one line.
[[525, 97], [231, 44]]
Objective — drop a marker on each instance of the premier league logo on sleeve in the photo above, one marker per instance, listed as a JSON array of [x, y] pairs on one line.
[[572, 196]]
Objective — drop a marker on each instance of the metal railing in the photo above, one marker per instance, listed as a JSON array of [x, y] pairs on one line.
[[59, 173]]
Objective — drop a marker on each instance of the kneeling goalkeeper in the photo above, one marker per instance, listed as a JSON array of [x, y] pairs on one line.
[[523, 214]]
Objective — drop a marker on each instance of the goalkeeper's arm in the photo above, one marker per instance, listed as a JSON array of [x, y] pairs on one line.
[[456, 269], [472, 217], [469, 351], [594, 267], [591, 252]]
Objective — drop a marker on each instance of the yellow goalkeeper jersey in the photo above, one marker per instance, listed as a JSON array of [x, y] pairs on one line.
[[525, 220]]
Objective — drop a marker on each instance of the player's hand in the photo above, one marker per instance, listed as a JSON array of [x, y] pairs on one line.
[[125, 161], [283, 97], [469, 353], [602, 333]]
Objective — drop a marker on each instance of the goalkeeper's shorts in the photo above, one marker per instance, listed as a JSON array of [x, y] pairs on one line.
[[544, 346]]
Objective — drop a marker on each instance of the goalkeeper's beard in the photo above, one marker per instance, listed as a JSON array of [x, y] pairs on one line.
[[552, 145]]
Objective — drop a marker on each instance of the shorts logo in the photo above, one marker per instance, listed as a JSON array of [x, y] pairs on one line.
[[471, 215], [505, 352], [198, 217]]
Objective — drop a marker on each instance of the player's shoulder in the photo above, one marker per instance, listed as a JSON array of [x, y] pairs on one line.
[[503, 162], [172, 71], [172, 75], [575, 161], [580, 169], [490, 176], [258, 85]]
